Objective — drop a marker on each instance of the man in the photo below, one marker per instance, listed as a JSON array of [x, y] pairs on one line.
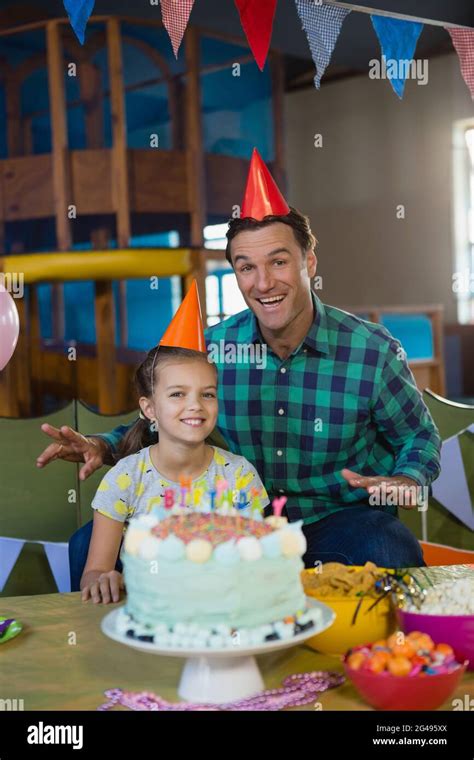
[[331, 418]]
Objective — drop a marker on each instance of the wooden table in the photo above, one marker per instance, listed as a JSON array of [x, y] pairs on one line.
[[63, 661]]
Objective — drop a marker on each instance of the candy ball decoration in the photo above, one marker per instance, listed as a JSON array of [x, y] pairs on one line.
[[9, 327]]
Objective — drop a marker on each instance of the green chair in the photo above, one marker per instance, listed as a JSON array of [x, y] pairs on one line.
[[35, 504], [438, 525]]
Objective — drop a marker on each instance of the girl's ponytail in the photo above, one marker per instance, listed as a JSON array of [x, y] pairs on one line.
[[139, 436]]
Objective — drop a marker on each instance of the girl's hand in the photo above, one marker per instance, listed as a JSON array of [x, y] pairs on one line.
[[105, 588]]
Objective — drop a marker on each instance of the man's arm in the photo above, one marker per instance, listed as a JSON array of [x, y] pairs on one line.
[[405, 421], [112, 441], [70, 446]]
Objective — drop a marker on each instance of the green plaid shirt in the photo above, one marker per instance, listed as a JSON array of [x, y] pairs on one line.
[[345, 397]]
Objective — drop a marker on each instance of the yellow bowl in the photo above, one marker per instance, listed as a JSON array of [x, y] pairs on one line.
[[379, 623]]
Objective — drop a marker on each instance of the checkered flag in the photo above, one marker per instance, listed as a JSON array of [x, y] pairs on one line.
[[322, 24], [463, 41], [175, 15]]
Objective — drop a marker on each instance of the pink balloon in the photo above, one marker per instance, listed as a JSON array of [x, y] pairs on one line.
[[9, 327]]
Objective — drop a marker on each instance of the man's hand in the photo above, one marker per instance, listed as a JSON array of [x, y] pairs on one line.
[[73, 447], [402, 490], [105, 587]]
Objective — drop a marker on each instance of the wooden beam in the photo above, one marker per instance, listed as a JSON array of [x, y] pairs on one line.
[[277, 69], [90, 85], [35, 350], [13, 115], [105, 334], [106, 351], [61, 179], [195, 154], [119, 178]]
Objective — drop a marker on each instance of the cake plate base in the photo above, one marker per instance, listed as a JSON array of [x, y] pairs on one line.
[[222, 675]]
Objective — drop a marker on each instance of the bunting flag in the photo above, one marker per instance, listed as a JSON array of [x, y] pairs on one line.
[[57, 554], [463, 41], [256, 17], [10, 548], [58, 558], [79, 12], [322, 24], [398, 41], [175, 15]]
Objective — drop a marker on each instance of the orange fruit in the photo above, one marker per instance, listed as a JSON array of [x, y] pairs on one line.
[[378, 662], [355, 660], [425, 642], [399, 666], [444, 649], [407, 649]]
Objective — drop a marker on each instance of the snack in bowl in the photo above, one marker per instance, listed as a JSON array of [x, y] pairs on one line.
[[404, 672], [358, 597], [446, 613]]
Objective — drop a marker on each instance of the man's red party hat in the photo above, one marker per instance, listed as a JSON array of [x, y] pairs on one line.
[[185, 329], [262, 196]]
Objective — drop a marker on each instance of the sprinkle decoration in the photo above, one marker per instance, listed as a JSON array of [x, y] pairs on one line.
[[296, 690], [213, 528]]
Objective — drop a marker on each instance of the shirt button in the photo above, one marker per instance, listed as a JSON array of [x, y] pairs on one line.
[[283, 370], [279, 453], [281, 411], [281, 490]]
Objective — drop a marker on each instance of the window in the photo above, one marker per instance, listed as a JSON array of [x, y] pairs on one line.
[[223, 297], [463, 276]]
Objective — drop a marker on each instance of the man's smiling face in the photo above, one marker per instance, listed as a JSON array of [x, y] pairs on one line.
[[272, 273]]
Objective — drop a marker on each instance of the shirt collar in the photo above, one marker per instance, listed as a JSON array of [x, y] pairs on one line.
[[316, 338]]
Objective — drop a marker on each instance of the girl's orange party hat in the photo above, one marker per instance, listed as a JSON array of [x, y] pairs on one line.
[[262, 196], [185, 329]]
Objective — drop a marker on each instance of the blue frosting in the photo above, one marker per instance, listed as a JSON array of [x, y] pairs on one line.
[[227, 553], [172, 548], [271, 546]]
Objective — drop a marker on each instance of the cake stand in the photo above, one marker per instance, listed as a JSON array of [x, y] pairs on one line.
[[220, 675]]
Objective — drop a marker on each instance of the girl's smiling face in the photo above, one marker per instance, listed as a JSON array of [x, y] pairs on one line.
[[184, 401]]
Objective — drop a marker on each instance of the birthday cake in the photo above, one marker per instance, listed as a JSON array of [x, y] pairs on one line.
[[216, 579]]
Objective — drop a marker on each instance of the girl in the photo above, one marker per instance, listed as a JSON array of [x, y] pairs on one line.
[[177, 390]]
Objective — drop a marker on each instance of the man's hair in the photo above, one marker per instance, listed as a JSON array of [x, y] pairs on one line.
[[298, 222]]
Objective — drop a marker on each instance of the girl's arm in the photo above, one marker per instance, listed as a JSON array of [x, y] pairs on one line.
[[100, 581]]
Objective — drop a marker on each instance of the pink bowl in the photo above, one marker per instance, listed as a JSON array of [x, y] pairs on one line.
[[455, 630], [387, 692]]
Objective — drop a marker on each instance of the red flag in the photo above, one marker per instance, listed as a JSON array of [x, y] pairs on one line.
[[463, 41], [256, 17], [175, 15], [262, 196]]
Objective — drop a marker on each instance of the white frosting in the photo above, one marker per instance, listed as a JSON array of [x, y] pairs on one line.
[[250, 548], [198, 550]]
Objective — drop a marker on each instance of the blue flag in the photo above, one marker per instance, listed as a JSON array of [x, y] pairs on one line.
[[79, 12], [398, 41]]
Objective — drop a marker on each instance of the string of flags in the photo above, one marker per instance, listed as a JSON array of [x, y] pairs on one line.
[[321, 22], [57, 555]]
